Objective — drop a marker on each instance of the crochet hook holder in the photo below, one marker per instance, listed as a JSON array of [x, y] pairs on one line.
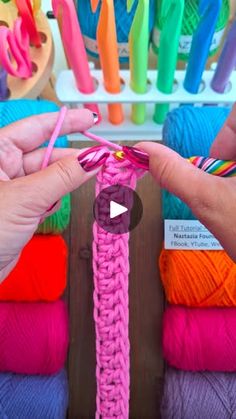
[[69, 95], [42, 58]]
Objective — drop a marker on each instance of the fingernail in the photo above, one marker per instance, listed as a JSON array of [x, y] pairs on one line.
[[137, 157], [50, 15], [93, 158], [50, 209], [95, 117]]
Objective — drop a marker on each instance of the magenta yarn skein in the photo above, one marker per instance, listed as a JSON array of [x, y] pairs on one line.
[[33, 337], [200, 339]]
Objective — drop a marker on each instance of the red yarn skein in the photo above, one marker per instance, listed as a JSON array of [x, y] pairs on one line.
[[40, 274], [200, 339], [33, 337]]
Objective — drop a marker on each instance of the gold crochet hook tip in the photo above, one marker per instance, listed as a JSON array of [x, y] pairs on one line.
[[119, 155]]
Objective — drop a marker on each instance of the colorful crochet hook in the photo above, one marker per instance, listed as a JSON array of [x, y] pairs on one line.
[[171, 18], [138, 52], [3, 84], [139, 158], [27, 14], [209, 11], [214, 166], [108, 53], [226, 62], [73, 43], [14, 50]]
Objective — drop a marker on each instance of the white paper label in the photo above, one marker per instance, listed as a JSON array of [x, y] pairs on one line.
[[91, 45], [188, 235], [185, 41]]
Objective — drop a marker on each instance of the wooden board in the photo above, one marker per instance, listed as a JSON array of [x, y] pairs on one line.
[[146, 306]]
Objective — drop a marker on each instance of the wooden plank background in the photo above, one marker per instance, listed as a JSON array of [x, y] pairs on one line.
[[146, 306]]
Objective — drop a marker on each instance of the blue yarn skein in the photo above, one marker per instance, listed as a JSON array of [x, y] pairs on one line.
[[14, 110], [36, 397], [88, 23], [189, 131]]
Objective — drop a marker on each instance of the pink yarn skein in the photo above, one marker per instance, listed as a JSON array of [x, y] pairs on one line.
[[33, 337], [198, 339]]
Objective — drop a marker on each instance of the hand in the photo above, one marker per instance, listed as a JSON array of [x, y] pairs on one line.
[[26, 192], [212, 199]]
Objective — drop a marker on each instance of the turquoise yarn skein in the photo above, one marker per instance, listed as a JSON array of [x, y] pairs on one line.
[[15, 110], [189, 131]]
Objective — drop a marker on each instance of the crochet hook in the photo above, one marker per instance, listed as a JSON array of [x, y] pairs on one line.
[[209, 11], [3, 84], [226, 62], [74, 48], [138, 52], [108, 53], [171, 18], [26, 11]]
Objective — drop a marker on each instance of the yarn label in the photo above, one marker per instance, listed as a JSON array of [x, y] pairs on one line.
[[92, 46], [188, 235], [185, 41]]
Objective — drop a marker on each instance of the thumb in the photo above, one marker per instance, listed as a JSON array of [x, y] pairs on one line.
[[41, 190], [177, 175]]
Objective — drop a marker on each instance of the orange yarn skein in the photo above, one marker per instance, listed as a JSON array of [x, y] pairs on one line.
[[40, 274], [198, 278]]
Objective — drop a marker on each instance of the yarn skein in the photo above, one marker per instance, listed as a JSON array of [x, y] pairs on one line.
[[190, 22], [190, 131], [200, 339], [201, 395], [24, 396], [199, 278], [15, 110], [41, 272], [33, 337], [88, 22]]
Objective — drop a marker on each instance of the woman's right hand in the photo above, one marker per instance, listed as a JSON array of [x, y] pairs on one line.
[[212, 199]]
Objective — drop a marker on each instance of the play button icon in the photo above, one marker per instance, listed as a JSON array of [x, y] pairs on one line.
[[118, 209]]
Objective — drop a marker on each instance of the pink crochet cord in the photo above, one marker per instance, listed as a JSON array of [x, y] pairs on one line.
[[111, 301], [111, 298]]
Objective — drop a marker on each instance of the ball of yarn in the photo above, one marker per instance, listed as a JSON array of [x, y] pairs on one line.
[[58, 222], [15, 110], [190, 131], [195, 395], [200, 339], [89, 20], [41, 272], [198, 278], [36, 397], [190, 23], [33, 337]]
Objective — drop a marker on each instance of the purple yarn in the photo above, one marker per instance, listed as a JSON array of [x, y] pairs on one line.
[[194, 395], [33, 397]]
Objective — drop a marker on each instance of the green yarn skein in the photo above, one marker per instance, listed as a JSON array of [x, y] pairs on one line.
[[190, 22], [56, 223], [15, 110]]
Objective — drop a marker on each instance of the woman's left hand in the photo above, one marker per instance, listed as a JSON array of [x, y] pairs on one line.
[[26, 192]]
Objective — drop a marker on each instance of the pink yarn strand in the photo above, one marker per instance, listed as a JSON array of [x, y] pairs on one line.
[[55, 134], [102, 140], [111, 302]]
